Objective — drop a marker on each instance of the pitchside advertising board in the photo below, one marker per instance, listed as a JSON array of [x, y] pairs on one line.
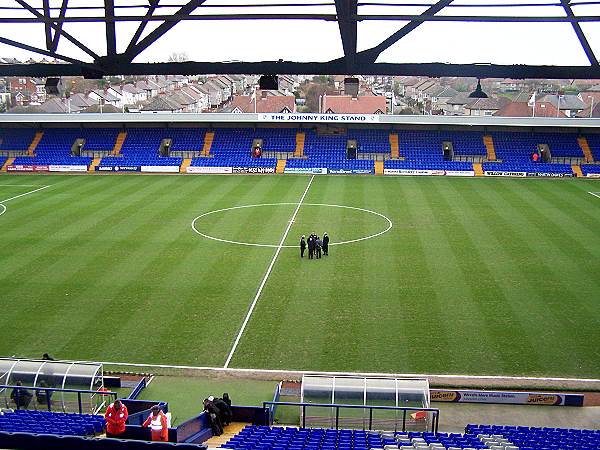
[[512, 398], [46, 168], [349, 171], [306, 170], [118, 169], [213, 170], [423, 172]]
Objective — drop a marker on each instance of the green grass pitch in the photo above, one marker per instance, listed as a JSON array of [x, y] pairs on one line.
[[476, 276]]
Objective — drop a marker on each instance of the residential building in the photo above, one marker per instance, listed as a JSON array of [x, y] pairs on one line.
[[346, 104], [263, 102], [570, 104], [482, 107], [161, 104], [525, 109]]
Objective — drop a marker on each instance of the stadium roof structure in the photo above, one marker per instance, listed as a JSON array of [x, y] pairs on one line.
[[155, 18]]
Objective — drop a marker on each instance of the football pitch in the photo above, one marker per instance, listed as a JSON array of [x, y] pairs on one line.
[[427, 275]]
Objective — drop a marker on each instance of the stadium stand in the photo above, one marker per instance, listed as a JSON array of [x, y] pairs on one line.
[[44, 422], [533, 438], [141, 148], [474, 437], [16, 138], [56, 143], [594, 144], [2, 161], [278, 438], [232, 146]]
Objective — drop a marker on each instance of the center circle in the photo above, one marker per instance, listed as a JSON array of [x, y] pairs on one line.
[[251, 244], [3, 210]]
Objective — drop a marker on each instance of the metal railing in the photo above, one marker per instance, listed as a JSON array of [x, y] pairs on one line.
[[434, 412], [48, 391]]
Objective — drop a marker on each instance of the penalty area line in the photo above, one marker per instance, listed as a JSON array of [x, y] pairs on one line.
[[266, 277], [595, 194], [22, 195], [3, 210]]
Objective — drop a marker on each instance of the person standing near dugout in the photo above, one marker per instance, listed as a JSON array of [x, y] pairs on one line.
[[116, 416], [157, 420]]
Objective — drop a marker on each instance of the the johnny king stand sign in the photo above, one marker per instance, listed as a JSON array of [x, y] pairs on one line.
[[332, 118]]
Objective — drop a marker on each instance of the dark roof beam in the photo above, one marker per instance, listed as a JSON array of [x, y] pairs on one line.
[[153, 4], [371, 55], [160, 31], [57, 28], [109, 23], [434, 70], [580, 34], [346, 17]]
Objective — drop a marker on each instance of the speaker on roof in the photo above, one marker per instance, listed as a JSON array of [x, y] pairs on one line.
[[351, 87], [52, 86], [268, 82]]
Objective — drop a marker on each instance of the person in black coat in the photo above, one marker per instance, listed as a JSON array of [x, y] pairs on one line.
[[21, 396], [225, 411], [213, 417], [325, 244], [302, 246], [319, 245], [311, 247], [227, 399]]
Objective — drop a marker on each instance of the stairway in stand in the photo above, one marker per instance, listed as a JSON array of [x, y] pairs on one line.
[[300, 137], [281, 165], [8, 162], [394, 146], [478, 168], [94, 164], [184, 165], [585, 148], [36, 140], [488, 141], [230, 431], [576, 168], [378, 167], [119, 143], [208, 140]]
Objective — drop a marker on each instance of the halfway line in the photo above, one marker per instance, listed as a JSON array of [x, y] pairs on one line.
[[264, 280]]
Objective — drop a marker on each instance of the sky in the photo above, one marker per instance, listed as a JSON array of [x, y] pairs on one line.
[[302, 40]]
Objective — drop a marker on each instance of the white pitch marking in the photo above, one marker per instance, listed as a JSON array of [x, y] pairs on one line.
[[250, 244], [21, 185], [295, 372], [22, 195], [17, 196], [265, 278], [595, 194]]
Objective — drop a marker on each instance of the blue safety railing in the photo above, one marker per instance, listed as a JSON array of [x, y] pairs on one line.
[[435, 419], [48, 391]]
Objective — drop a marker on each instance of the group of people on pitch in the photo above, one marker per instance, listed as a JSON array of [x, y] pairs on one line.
[[316, 246]]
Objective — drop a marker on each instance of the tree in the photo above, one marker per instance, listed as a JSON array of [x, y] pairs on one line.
[[178, 57]]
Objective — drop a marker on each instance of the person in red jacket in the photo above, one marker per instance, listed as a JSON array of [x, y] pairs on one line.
[[157, 420], [116, 416]]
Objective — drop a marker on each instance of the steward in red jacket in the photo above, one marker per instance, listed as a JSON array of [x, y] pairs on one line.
[[116, 416]]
